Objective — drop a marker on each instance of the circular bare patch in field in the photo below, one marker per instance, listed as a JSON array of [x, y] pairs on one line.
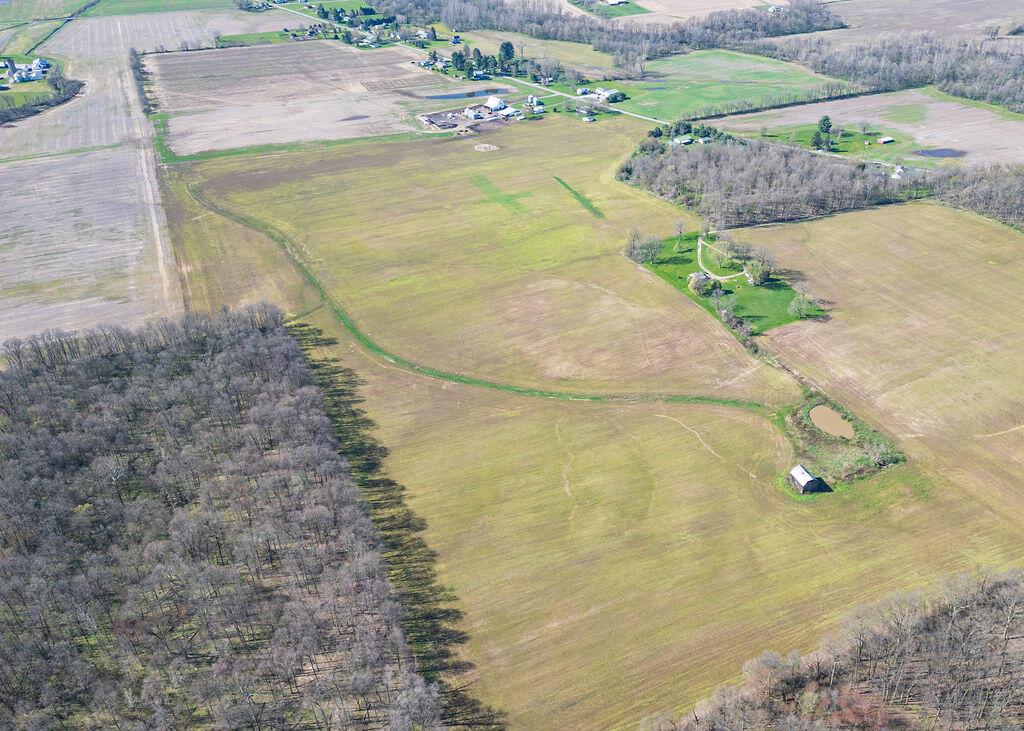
[[484, 147], [832, 422]]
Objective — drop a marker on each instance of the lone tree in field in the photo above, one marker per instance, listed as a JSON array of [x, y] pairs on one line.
[[758, 273], [802, 306], [825, 125]]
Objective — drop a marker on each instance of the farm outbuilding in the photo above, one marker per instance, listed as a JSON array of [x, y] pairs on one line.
[[494, 103], [801, 479]]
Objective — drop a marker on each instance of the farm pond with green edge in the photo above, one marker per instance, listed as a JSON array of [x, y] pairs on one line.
[[762, 307]]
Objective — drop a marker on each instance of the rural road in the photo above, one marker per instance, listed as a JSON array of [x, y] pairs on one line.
[[549, 90]]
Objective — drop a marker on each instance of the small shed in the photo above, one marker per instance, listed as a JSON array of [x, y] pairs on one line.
[[802, 479], [885, 140]]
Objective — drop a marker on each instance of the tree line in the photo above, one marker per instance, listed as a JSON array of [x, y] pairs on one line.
[[972, 68], [182, 543], [546, 20], [733, 182], [954, 660]]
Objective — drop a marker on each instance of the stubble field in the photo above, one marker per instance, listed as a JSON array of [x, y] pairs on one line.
[[924, 340], [18, 10], [615, 560], [926, 118], [95, 262], [867, 18], [293, 92]]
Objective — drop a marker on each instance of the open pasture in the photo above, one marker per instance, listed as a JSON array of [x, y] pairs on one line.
[[615, 561], [681, 86], [24, 38], [313, 90], [97, 261], [925, 340], [20, 10], [919, 119], [868, 18], [132, 7], [507, 275]]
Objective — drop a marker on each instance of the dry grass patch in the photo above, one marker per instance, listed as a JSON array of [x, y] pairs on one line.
[[486, 265], [928, 118]]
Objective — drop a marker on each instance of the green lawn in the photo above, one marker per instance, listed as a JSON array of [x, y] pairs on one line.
[[601, 10], [132, 7], [33, 91], [852, 143], [346, 5], [687, 85], [763, 307]]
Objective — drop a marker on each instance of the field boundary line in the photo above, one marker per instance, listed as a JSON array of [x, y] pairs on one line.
[[368, 344]]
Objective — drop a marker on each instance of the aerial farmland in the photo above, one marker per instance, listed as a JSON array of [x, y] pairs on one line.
[[500, 257]]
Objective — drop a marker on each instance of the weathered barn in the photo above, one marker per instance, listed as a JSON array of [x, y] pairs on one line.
[[803, 481]]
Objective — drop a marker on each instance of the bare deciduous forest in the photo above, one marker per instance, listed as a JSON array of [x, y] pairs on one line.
[[183, 545], [954, 660], [542, 19], [972, 68], [748, 182]]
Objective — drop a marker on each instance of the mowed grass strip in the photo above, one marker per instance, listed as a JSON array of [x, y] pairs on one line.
[[680, 86], [490, 283]]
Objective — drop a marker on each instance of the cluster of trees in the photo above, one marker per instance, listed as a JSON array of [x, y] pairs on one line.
[[747, 182], [182, 544], [627, 42], [996, 191], [972, 68], [955, 660], [504, 61], [62, 89], [741, 183]]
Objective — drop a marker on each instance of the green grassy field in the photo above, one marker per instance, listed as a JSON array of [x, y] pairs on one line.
[[762, 307], [681, 86], [21, 10], [253, 39], [26, 93], [574, 55], [347, 5], [28, 37], [852, 143], [614, 559], [132, 7], [601, 10]]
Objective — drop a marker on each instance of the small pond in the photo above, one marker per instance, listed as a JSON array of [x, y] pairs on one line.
[[469, 94], [941, 152], [831, 422]]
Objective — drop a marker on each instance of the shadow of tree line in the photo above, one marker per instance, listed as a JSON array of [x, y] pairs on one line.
[[430, 615]]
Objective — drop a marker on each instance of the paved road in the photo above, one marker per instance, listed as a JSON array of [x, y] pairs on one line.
[[549, 90]]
